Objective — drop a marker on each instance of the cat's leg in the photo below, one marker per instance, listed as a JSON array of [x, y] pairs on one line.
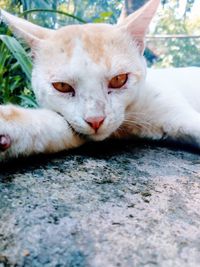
[[31, 131], [179, 124], [184, 127]]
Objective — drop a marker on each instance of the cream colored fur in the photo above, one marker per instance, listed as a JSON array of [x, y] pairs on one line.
[[162, 104]]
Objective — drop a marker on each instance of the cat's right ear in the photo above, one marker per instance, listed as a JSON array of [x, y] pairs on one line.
[[29, 32], [137, 23]]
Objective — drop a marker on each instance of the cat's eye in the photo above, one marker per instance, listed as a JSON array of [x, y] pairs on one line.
[[118, 81], [64, 87]]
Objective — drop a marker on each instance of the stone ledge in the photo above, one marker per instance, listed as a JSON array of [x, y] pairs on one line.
[[131, 206]]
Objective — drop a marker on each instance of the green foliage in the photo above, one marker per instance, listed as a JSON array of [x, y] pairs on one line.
[[19, 54], [53, 11], [177, 52], [15, 72], [16, 66], [104, 16]]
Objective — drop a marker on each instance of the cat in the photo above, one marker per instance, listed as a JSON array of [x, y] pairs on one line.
[[92, 83]]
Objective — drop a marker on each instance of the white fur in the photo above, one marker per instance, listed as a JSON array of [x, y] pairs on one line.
[[92, 97], [36, 131], [170, 103], [165, 104]]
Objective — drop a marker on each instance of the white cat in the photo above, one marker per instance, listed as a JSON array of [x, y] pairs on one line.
[[90, 81]]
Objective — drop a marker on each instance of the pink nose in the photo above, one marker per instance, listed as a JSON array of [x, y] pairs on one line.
[[95, 122]]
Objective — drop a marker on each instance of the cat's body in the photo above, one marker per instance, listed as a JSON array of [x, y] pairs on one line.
[[182, 80], [166, 99], [91, 83]]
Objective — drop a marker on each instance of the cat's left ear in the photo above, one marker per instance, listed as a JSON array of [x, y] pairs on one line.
[[137, 23], [29, 32]]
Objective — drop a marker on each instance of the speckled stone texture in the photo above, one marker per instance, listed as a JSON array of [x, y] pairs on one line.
[[104, 205]]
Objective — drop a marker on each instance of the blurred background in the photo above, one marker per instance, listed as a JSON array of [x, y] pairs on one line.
[[173, 39]]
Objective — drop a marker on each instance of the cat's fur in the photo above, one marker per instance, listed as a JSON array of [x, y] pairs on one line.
[[165, 104]]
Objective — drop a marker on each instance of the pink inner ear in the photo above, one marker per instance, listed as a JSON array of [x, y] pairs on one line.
[[138, 34], [32, 54], [140, 44]]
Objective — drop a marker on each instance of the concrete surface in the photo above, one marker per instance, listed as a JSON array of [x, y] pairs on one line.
[[105, 205]]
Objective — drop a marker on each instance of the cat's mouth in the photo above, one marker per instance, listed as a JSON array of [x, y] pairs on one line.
[[90, 137], [76, 132]]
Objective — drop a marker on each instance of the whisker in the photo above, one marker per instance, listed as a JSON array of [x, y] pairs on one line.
[[132, 120], [146, 125], [134, 113], [138, 121], [137, 126]]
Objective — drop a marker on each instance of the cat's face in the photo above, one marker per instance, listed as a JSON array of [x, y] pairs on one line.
[[88, 71], [91, 73]]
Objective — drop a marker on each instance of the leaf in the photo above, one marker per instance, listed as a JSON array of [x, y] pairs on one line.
[[106, 14], [53, 11], [103, 17], [19, 53], [28, 101]]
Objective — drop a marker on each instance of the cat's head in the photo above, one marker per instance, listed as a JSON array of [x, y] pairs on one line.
[[89, 73]]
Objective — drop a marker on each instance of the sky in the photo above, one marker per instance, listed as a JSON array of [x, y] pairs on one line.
[[196, 9], [195, 12]]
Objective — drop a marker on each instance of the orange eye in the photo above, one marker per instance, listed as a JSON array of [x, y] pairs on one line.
[[63, 87], [118, 81]]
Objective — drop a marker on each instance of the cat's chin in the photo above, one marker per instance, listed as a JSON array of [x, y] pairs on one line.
[[97, 137], [90, 137]]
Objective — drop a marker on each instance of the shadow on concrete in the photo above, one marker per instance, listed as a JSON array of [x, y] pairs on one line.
[[98, 150]]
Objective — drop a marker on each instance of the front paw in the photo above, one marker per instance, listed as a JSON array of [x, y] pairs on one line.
[[5, 142]]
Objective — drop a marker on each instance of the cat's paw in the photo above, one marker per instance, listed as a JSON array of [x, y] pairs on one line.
[[5, 142]]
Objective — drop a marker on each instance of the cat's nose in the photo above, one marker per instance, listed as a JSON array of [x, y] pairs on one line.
[[95, 122]]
